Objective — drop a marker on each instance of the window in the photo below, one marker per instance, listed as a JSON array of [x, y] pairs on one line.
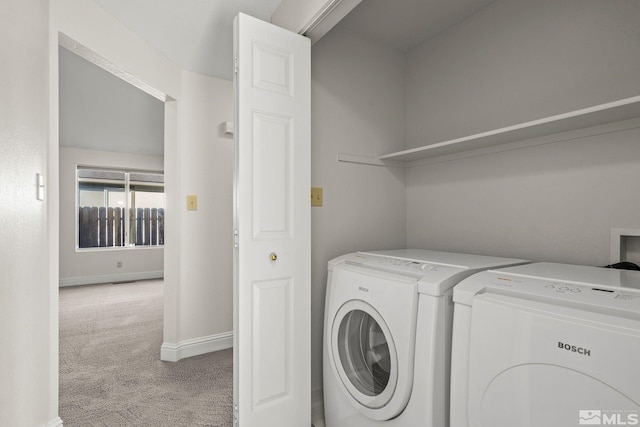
[[119, 208]]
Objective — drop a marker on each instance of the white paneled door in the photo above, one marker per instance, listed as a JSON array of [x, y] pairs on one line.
[[272, 272]]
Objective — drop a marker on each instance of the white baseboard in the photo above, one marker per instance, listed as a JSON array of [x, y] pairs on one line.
[[110, 278], [317, 407], [55, 423], [170, 352]]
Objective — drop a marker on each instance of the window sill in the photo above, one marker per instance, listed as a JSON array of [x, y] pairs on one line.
[[118, 248]]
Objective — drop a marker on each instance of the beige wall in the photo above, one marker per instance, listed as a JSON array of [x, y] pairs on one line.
[[519, 60], [27, 297], [546, 203], [512, 62], [205, 168], [357, 107]]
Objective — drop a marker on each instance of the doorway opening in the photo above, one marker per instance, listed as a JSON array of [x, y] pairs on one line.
[[153, 304], [111, 227]]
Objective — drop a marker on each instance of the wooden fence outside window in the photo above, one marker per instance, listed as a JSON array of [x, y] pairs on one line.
[[100, 227]]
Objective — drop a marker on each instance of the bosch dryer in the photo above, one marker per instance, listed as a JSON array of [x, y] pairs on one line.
[[546, 344]]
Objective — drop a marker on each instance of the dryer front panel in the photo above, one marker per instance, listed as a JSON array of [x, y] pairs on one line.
[[537, 364]]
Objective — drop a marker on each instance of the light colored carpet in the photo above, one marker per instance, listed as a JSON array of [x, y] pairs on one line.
[[110, 369]]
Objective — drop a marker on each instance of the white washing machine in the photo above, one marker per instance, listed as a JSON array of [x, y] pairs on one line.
[[546, 344], [388, 320]]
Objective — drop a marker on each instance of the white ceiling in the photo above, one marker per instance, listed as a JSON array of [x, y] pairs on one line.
[[198, 34], [195, 34]]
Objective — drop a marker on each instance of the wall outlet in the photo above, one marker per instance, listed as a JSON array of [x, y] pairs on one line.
[[316, 196], [118, 264], [625, 245]]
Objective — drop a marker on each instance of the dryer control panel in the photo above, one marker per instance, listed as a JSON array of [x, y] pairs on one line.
[[579, 295]]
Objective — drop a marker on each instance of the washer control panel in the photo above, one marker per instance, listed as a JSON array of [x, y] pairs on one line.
[[404, 266], [433, 278], [413, 265]]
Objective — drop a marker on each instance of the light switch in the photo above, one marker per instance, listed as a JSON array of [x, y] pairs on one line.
[[192, 202], [316, 196], [40, 186]]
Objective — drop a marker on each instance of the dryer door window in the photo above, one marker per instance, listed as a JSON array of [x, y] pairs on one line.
[[364, 349], [364, 354]]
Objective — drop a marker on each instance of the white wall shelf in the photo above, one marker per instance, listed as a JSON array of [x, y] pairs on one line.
[[610, 112]]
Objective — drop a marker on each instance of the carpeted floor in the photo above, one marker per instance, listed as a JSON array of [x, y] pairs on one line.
[[110, 369]]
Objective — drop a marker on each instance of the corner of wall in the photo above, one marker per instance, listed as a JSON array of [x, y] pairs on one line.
[[173, 352], [317, 407]]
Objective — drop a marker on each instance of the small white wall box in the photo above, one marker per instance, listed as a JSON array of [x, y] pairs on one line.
[[227, 128], [625, 245]]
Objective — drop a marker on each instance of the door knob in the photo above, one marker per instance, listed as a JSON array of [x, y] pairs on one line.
[[273, 256]]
